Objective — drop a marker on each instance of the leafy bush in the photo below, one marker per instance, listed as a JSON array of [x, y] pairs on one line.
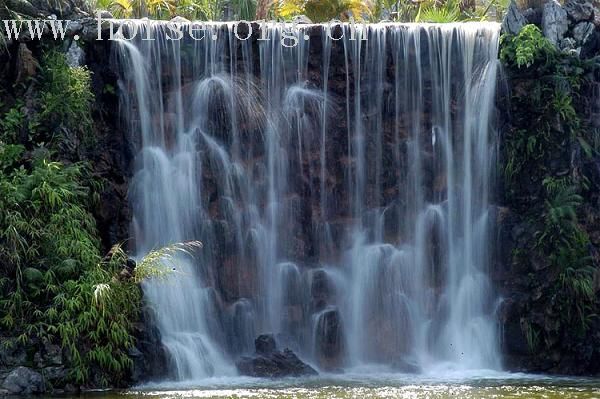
[[568, 248], [11, 124], [66, 97], [527, 48], [49, 246]]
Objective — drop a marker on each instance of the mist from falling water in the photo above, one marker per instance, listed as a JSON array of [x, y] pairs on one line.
[[351, 219]]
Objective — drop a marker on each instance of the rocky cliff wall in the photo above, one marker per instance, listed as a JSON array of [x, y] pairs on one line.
[[549, 219]]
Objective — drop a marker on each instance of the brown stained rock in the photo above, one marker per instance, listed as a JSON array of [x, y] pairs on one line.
[[27, 65]]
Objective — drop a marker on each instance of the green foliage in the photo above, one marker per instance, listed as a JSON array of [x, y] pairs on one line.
[[11, 124], [437, 11], [547, 111], [448, 12], [563, 106], [243, 9], [532, 335], [161, 262], [323, 10], [527, 48], [103, 322], [382, 7], [560, 217], [568, 248], [316, 10], [49, 245], [66, 97], [576, 281], [213, 10]]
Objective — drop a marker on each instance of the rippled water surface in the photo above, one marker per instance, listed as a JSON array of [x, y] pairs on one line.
[[382, 386]]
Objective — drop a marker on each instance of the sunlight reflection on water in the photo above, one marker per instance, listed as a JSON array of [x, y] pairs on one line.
[[351, 386]]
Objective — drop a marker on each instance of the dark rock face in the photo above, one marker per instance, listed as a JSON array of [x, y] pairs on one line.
[[265, 344], [514, 20], [322, 290], [579, 10], [150, 358], [270, 362], [24, 381], [39, 8], [583, 31], [554, 21], [45, 369], [538, 333]]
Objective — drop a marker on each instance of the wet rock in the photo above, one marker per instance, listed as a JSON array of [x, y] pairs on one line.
[[514, 19], [277, 364], [321, 290], [406, 366], [274, 363], [24, 381], [150, 357], [579, 10], [330, 339], [554, 22], [265, 344], [514, 341]]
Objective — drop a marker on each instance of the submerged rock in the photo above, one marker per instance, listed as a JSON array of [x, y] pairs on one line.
[[268, 361], [406, 366]]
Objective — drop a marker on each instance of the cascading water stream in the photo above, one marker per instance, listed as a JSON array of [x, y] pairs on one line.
[[341, 189]]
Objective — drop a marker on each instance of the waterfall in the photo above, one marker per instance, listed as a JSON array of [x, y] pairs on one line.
[[341, 189]]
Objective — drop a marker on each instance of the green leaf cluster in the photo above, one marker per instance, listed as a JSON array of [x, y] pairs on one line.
[[527, 48]]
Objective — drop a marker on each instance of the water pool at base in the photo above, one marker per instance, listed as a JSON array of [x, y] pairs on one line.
[[498, 386]]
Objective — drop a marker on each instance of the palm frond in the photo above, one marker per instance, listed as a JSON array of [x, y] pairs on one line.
[[163, 261]]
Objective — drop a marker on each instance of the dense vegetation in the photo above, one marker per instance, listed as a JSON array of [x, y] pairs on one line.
[[544, 150], [54, 285]]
